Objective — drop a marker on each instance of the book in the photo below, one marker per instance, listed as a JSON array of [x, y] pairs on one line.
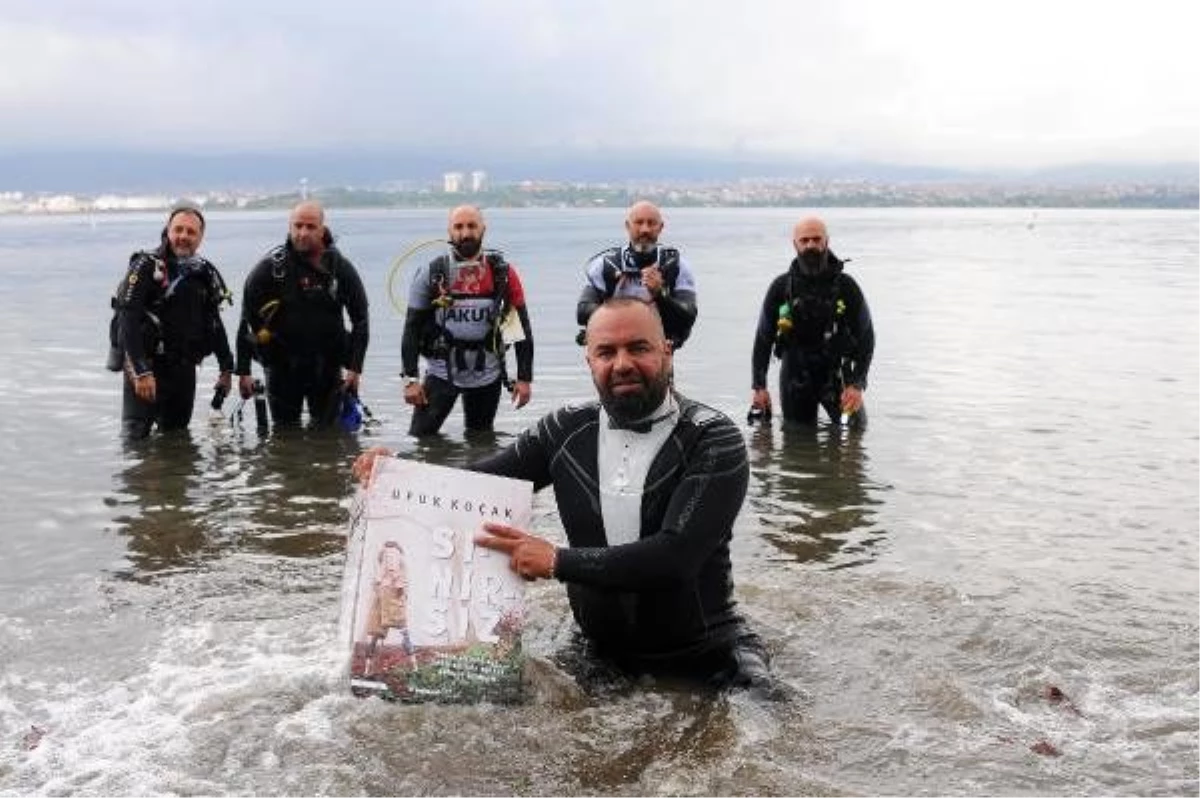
[[427, 614]]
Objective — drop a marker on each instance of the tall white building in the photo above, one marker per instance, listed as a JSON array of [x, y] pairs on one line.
[[479, 181], [452, 182]]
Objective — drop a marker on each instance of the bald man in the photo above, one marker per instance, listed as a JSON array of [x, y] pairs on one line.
[[294, 309], [816, 321], [644, 270], [464, 308]]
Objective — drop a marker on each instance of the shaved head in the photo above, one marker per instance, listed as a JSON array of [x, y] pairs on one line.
[[465, 213], [306, 228], [644, 224], [466, 229], [808, 230], [643, 207], [311, 209], [630, 311]]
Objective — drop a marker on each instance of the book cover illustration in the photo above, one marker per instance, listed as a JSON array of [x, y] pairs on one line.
[[427, 614]]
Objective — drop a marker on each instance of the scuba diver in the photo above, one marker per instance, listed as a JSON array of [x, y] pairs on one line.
[[464, 309], [644, 270], [293, 322], [166, 321], [816, 321]]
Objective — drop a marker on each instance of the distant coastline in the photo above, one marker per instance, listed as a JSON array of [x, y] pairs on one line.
[[732, 194]]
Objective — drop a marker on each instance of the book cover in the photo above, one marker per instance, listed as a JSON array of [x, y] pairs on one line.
[[427, 614]]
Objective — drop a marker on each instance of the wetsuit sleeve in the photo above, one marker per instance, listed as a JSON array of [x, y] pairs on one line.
[[523, 349], [133, 301], [256, 293], [593, 291], [764, 333], [863, 332], [589, 299], [357, 307], [417, 319], [678, 312], [220, 341], [678, 306], [698, 520], [243, 343]]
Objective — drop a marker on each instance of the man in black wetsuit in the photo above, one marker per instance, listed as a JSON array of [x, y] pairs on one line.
[[644, 269], [294, 310], [168, 320], [648, 485], [815, 319]]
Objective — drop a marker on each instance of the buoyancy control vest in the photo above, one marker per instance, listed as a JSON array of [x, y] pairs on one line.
[[619, 260], [811, 318], [177, 308], [438, 340], [303, 314]]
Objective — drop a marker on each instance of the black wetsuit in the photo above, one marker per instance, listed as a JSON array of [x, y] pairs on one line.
[[185, 300], [663, 604], [829, 346], [307, 344]]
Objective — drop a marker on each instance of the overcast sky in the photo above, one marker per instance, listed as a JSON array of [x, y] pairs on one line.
[[970, 84]]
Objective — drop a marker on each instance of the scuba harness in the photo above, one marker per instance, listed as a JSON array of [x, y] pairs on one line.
[[811, 321], [165, 288], [290, 290], [812, 314], [438, 343], [619, 263]]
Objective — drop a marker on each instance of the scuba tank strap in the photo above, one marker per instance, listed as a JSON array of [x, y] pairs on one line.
[[217, 284], [610, 270], [278, 256]]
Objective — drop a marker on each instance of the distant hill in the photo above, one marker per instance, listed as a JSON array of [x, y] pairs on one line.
[[125, 171], [1092, 173], [101, 171]]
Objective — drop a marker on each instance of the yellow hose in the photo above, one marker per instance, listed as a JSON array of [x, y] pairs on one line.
[[398, 263]]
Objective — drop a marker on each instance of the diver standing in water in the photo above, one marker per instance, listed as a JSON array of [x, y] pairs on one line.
[[645, 270], [293, 322], [167, 320], [464, 307], [816, 320]]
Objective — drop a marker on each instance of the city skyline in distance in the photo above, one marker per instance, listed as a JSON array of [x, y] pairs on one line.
[[100, 171]]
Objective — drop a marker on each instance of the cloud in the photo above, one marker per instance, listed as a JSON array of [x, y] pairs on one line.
[[979, 84]]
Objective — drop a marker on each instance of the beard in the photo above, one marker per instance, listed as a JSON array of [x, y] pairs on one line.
[[629, 406], [643, 244], [467, 248], [812, 261]]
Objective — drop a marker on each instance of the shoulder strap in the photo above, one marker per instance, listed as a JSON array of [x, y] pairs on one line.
[[495, 259], [439, 273], [611, 269], [220, 289], [137, 261], [278, 258]]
